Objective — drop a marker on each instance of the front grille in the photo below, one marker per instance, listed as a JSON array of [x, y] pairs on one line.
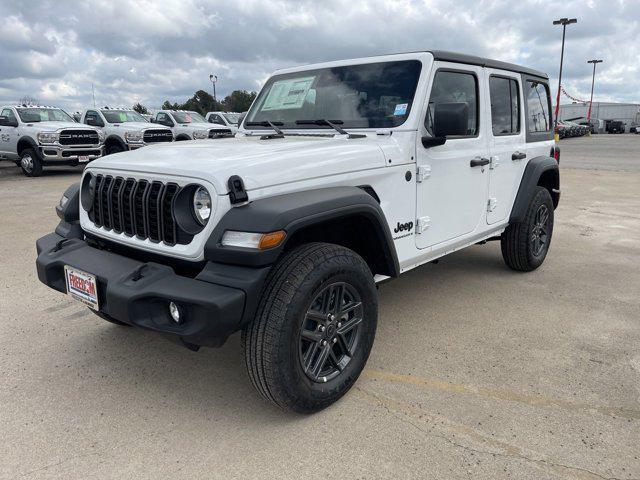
[[135, 207], [79, 137], [216, 133], [156, 136]]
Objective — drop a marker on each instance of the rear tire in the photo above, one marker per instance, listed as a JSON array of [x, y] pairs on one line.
[[525, 244], [30, 163], [305, 350]]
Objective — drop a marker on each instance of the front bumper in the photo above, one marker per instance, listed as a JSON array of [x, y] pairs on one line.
[[60, 155], [211, 311]]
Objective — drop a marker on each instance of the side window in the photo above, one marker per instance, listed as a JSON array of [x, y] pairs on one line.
[[538, 107], [218, 120], [92, 118], [8, 113], [453, 105], [505, 105]]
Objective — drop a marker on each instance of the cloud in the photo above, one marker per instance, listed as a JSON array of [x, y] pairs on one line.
[[151, 51]]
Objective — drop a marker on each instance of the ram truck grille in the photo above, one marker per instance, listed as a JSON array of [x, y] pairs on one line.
[[138, 208], [220, 133], [157, 136], [79, 137]]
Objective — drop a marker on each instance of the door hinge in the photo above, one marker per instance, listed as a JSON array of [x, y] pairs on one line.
[[423, 172], [494, 163], [491, 204], [422, 224]]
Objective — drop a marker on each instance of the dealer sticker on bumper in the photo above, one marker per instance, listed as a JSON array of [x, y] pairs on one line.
[[83, 158], [82, 286]]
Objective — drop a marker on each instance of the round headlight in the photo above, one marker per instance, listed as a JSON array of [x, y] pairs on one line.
[[202, 205]]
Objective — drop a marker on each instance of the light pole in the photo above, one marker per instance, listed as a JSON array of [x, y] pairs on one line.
[[213, 79], [593, 81], [564, 22]]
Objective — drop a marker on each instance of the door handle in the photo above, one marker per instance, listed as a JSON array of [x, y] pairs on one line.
[[518, 156], [479, 162]]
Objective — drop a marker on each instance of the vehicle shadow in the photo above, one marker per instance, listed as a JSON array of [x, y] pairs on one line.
[[215, 379]]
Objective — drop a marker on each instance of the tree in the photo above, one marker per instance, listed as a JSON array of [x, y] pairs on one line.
[[28, 100], [138, 107], [167, 105], [238, 101]]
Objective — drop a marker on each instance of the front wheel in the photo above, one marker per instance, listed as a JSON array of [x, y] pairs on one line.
[[525, 244], [314, 327], [30, 163]]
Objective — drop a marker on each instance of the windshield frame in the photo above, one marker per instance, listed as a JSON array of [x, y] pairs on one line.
[[20, 110], [175, 118], [414, 98], [118, 111]]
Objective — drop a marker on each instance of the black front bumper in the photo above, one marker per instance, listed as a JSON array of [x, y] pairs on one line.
[[138, 293]]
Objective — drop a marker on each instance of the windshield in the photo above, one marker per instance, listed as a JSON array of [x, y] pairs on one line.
[[232, 118], [122, 116], [188, 117], [373, 95], [31, 115]]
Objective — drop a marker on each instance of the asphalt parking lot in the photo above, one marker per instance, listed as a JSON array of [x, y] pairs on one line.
[[477, 371]]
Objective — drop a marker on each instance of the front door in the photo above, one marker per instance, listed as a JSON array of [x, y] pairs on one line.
[[453, 177], [8, 136], [508, 143]]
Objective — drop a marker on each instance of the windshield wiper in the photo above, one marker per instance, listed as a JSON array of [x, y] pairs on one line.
[[333, 124], [266, 123]]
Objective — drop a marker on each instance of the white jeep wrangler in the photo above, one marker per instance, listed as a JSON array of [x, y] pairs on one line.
[[231, 120], [125, 129], [348, 173], [188, 125], [35, 136]]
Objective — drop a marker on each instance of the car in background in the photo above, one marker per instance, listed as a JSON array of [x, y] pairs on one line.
[[125, 129], [35, 136], [614, 126], [190, 125], [231, 120], [634, 129]]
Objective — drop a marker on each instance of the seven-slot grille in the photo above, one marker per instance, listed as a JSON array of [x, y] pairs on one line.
[[214, 133], [155, 136], [135, 207], [79, 137]]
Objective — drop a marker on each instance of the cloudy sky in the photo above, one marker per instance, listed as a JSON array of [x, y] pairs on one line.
[[151, 51]]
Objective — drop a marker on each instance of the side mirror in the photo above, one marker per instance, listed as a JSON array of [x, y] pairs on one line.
[[91, 121], [428, 142], [6, 122], [450, 119]]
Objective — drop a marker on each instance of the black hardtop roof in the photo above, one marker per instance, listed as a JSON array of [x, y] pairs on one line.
[[484, 62]]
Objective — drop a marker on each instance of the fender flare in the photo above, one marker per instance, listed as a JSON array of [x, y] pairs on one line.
[[534, 170], [293, 212], [32, 143], [115, 138]]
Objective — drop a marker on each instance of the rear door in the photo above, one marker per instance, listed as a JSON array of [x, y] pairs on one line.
[[508, 145], [453, 181]]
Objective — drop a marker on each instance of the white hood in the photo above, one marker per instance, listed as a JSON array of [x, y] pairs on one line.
[[53, 126], [203, 126], [260, 163], [136, 126]]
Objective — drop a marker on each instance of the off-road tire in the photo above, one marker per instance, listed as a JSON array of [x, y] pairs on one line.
[[271, 341], [109, 319], [517, 245], [34, 168]]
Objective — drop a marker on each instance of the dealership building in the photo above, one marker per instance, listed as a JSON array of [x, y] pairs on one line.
[[627, 113]]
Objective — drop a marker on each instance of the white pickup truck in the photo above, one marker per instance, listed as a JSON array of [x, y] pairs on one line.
[[39, 136], [231, 120], [189, 125], [125, 129]]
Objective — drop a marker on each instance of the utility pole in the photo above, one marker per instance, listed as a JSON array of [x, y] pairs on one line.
[[593, 81], [93, 94], [213, 79], [564, 22]]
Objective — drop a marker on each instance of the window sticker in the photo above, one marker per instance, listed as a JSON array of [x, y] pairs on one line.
[[401, 109], [123, 117], [288, 94]]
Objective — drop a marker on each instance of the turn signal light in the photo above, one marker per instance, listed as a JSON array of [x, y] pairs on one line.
[[271, 240]]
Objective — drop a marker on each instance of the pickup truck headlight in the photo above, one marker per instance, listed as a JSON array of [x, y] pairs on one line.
[[200, 134], [100, 136], [202, 205], [48, 137], [133, 137]]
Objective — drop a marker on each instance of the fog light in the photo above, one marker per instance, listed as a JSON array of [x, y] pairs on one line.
[[175, 313]]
